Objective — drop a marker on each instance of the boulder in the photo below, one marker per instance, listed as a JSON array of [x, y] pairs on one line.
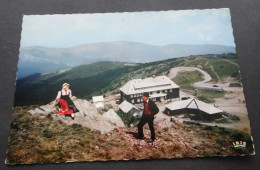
[[36, 111], [87, 116], [47, 108], [112, 116], [163, 121]]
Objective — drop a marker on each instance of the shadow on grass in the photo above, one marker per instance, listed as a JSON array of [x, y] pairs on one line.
[[134, 134]]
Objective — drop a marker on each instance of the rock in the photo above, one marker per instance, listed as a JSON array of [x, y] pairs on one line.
[[36, 111], [73, 98], [47, 108], [112, 116], [36, 123], [86, 117], [163, 121], [42, 117]]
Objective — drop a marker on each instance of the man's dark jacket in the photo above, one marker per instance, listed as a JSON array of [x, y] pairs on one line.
[[152, 107]]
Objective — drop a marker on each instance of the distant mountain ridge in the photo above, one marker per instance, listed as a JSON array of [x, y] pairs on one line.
[[43, 60], [106, 77]]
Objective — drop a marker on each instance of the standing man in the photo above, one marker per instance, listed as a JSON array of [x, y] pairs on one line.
[[150, 109]]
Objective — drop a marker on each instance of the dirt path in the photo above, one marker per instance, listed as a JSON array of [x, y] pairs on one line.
[[204, 83], [201, 84], [232, 102], [176, 70], [231, 62], [215, 72]]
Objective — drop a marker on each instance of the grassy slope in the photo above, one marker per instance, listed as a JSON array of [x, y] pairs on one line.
[[37, 139], [103, 77], [209, 96], [53, 141], [188, 78], [219, 64], [85, 80]]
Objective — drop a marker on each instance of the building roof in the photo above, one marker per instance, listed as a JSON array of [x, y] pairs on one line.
[[148, 84], [126, 106], [98, 99], [193, 104]]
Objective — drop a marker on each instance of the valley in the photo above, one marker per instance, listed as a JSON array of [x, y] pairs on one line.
[[39, 134]]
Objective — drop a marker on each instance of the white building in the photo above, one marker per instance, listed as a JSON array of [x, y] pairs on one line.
[[98, 101], [194, 106], [160, 88]]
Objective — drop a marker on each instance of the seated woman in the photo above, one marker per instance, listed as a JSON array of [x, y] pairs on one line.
[[64, 102]]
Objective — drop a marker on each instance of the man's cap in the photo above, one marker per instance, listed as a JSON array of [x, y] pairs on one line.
[[146, 94], [64, 85]]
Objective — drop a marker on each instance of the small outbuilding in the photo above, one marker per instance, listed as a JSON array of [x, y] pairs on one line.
[[200, 109], [129, 108], [98, 101]]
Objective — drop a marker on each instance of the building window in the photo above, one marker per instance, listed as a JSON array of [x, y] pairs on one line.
[[133, 101], [131, 96], [138, 100], [170, 90], [163, 91], [142, 100], [134, 95], [158, 92], [151, 92]]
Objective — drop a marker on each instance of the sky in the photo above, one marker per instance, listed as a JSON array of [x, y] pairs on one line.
[[209, 26]]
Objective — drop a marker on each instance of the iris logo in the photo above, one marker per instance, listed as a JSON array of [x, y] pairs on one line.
[[239, 144]]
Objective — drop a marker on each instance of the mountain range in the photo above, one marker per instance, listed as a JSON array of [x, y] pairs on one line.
[[45, 60], [106, 77]]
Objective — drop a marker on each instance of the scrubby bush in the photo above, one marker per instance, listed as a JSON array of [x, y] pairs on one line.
[[235, 118], [222, 121], [128, 119], [205, 99], [47, 133], [234, 74]]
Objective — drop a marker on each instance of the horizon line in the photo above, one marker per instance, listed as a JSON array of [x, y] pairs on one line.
[[120, 41]]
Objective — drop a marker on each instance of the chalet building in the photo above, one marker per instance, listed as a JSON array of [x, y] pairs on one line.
[[201, 110], [129, 108], [160, 88]]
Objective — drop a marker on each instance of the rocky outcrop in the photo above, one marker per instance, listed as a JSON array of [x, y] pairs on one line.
[[36, 111], [45, 110], [163, 121], [112, 116], [87, 116]]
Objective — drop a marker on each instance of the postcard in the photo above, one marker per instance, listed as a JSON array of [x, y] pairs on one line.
[[128, 86]]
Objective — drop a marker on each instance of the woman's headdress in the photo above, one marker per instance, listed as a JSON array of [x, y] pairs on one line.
[[64, 85]]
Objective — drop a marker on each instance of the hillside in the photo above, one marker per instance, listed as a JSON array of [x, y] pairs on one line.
[[44, 60], [42, 139], [84, 80], [107, 77]]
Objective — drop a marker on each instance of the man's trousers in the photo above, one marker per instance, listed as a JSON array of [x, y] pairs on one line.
[[146, 119]]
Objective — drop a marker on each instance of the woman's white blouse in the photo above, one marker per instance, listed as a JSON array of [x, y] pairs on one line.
[[63, 92]]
